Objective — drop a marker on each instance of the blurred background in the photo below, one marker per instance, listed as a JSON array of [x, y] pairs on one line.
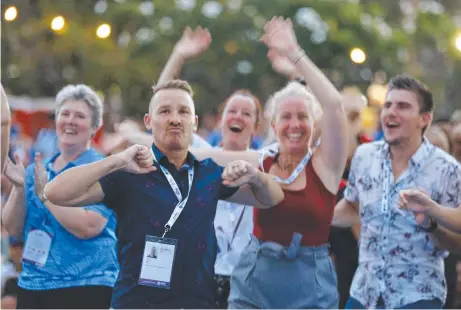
[[119, 48]]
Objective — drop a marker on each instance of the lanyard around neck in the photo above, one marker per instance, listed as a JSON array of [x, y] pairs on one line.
[[300, 167], [181, 202], [388, 177]]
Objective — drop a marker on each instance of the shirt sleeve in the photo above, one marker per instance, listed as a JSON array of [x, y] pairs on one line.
[[452, 194], [112, 185], [351, 192]]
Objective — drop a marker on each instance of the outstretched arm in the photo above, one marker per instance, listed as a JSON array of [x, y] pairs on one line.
[[80, 185], [191, 44], [279, 36], [83, 223], [223, 158], [419, 202], [447, 240], [256, 188], [422, 206]]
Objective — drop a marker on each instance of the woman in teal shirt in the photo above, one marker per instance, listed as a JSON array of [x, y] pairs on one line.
[[69, 258]]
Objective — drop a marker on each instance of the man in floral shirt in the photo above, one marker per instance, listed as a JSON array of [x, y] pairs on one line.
[[399, 263]]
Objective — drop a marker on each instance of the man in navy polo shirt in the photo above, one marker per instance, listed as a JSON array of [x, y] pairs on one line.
[[167, 208]]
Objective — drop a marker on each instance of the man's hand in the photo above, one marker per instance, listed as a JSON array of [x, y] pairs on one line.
[[136, 159], [193, 42], [15, 173], [239, 172], [419, 202], [416, 201]]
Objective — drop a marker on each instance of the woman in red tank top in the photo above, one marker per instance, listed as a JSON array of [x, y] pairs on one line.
[[286, 264]]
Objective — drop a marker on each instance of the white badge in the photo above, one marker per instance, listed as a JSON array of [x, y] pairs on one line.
[[157, 262], [37, 247]]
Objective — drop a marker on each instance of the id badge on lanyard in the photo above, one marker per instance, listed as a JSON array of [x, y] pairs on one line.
[[157, 262], [38, 243], [37, 247], [159, 252]]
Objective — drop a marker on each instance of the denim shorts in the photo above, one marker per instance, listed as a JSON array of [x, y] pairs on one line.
[[266, 277]]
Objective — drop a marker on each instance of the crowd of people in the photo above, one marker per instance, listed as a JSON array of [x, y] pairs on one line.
[[317, 216]]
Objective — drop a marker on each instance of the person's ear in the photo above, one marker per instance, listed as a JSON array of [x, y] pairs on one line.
[[147, 120]]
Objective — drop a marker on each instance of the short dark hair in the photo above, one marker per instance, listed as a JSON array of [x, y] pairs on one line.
[[426, 103]]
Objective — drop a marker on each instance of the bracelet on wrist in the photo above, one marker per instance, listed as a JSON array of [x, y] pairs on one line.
[[296, 56]]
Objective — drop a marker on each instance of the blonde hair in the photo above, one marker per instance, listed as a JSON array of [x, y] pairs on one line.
[[292, 89], [174, 84]]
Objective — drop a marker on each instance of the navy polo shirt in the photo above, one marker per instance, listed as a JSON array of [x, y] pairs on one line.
[[143, 204]]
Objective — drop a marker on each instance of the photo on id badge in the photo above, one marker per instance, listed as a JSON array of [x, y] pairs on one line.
[[153, 252], [157, 264]]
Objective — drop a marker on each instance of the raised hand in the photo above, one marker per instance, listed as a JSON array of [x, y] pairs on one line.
[[238, 172], [280, 36], [40, 175], [281, 64], [193, 42], [137, 159], [15, 173]]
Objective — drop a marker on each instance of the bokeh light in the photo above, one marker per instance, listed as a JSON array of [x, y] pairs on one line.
[[58, 23], [103, 31], [358, 55], [11, 13]]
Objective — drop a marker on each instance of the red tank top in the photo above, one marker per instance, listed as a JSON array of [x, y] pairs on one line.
[[308, 211]]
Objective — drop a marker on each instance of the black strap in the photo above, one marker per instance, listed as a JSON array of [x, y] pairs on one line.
[[236, 227]]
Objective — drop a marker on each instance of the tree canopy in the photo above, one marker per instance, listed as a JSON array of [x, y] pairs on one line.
[[413, 37]]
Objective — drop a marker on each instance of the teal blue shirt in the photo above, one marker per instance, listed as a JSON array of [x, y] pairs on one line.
[[71, 261]]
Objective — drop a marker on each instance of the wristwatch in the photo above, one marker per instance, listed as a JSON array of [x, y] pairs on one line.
[[431, 227]]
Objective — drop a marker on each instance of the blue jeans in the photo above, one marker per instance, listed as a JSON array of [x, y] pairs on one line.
[[266, 278], [353, 303]]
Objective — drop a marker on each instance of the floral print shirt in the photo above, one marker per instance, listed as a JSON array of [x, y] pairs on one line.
[[398, 261]]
